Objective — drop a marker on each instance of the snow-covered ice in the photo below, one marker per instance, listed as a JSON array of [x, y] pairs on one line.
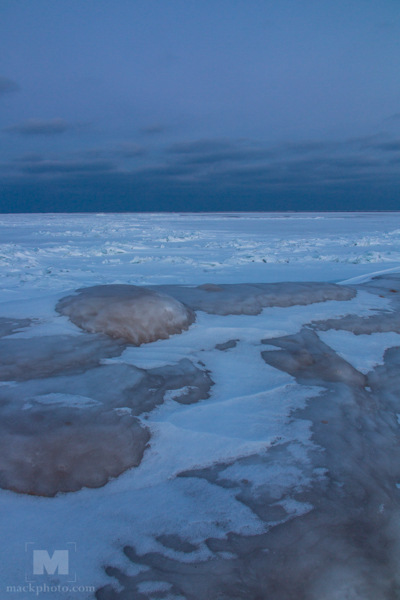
[[201, 406]]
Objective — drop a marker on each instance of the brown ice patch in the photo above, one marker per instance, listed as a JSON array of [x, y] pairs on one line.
[[67, 421], [251, 298], [74, 454], [304, 355], [135, 314]]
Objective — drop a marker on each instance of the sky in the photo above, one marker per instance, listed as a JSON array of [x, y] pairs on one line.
[[199, 105]]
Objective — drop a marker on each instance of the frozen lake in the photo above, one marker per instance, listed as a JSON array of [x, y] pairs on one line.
[[214, 414], [53, 252]]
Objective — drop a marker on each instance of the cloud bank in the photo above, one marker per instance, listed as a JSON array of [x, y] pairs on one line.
[[7, 86], [209, 174], [39, 127]]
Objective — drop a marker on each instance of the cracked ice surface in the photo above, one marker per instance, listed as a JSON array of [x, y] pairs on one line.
[[253, 455]]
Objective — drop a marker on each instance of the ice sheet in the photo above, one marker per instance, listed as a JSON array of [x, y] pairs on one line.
[[271, 469]]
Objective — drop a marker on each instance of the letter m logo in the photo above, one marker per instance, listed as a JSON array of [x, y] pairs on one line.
[[42, 561]]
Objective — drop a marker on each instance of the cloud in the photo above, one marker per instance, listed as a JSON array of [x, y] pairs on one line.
[[248, 154], [38, 127], [122, 150], [225, 162], [380, 141], [213, 151], [219, 169], [59, 167], [29, 157], [153, 129], [204, 146], [393, 146], [306, 147], [222, 160], [122, 191], [7, 86], [164, 171], [247, 165], [262, 177], [395, 117], [128, 150], [247, 150]]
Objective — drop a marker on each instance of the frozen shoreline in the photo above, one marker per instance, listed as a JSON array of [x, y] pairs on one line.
[[297, 432]]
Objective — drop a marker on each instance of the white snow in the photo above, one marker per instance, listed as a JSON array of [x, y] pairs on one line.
[[42, 254], [364, 352]]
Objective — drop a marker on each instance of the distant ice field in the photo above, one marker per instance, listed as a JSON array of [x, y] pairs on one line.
[[55, 252]]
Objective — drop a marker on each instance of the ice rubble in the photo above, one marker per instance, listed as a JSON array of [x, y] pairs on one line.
[[135, 314], [69, 251]]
